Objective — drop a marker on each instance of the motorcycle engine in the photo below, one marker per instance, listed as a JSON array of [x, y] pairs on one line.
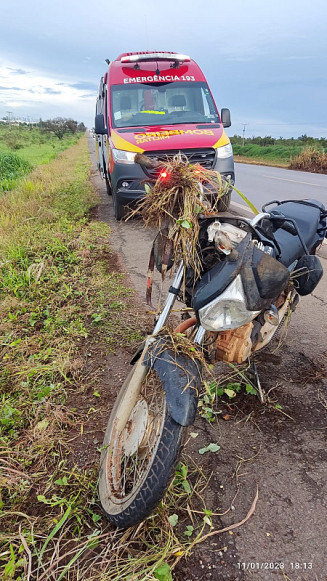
[[232, 346], [225, 236]]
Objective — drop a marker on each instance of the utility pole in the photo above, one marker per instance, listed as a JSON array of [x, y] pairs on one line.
[[9, 120], [244, 125]]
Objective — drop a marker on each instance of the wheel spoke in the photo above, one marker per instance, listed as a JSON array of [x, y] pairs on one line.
[[138, 462], [124, 475], [133, 448]]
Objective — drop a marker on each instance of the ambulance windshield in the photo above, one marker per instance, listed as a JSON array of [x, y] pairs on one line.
[[139, 104]]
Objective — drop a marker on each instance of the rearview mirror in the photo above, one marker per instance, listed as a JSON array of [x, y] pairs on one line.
[[225, 117], [99, 125]]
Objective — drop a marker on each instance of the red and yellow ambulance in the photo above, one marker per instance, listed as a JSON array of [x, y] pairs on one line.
[[157, 103]]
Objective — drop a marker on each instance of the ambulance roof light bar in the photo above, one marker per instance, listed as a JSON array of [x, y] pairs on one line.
[[155, 56]]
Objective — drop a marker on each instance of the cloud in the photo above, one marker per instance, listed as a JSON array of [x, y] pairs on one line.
[[51, 91], [11, 89], [18, 71], [88, 96], [47, 95], [85, 85]]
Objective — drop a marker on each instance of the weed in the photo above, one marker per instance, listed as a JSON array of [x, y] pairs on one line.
[[11, 167], [210, 448], [228, 387], [163, 573], [181, 478], [173, 205]]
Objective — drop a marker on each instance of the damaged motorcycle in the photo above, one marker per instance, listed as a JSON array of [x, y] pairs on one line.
[[251, 276]]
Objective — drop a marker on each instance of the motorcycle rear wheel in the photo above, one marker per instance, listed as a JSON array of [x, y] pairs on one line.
[[137, 463]]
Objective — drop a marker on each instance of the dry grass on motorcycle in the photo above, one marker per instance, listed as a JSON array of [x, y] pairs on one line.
[[175, 201]]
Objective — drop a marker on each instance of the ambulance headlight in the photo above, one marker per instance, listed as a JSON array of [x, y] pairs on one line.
[[225, 151], [121, 156]]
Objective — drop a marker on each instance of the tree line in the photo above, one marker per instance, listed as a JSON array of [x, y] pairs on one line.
[[59, 126], [268, 140]]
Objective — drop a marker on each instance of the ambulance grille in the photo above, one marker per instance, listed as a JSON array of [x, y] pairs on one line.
[[205, 157]]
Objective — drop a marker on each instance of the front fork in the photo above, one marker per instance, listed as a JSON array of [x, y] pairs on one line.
[[140, 368], [171, 298], [170, 303]]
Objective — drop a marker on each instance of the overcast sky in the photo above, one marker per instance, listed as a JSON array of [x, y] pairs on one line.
[[264, 59]]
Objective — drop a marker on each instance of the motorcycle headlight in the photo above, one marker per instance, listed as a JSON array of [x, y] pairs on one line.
[[122, 156], [225, 151], [228, 311]]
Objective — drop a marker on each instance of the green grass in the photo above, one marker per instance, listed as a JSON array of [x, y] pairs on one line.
[[12, 167], [22, 149], [270, 153]]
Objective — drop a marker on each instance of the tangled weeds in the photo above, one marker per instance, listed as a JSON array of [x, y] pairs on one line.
[[176, 360], [182, 344], [181, 192]]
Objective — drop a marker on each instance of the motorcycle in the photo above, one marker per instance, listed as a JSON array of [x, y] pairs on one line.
[[253, 272]]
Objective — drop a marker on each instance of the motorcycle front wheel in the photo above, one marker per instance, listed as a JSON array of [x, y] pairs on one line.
[[138, 462]]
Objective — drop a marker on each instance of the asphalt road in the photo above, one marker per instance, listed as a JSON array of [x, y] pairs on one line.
[[262, 184]]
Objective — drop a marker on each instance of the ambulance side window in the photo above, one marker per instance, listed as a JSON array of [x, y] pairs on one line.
[[205, 104], [208, 104]]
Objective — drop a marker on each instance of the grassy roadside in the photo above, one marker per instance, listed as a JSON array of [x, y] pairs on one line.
[[64, 311], [275, 155], [58, 296], [260, 161], [23, 148], [310, 158]]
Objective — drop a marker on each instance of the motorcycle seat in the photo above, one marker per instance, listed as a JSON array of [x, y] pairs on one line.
[[308, 220]]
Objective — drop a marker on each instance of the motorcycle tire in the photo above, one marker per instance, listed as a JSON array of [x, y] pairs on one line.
[[138, 463]]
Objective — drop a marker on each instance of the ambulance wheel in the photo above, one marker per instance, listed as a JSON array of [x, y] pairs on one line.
[[119, 209], [108, 186], [223, 203], [107, 180]]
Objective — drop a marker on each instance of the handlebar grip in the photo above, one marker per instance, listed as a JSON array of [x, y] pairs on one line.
[[290, 228]]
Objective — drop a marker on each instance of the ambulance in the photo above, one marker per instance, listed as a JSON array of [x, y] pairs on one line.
[[159, 104]]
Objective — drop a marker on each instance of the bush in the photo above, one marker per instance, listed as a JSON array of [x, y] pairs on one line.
[[310, 159], [11, 167]]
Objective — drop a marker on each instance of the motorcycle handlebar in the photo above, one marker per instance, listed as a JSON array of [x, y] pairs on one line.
[[290, 228], [283, 222]]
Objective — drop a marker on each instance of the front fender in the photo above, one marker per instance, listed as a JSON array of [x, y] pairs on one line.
[[181, 379]]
